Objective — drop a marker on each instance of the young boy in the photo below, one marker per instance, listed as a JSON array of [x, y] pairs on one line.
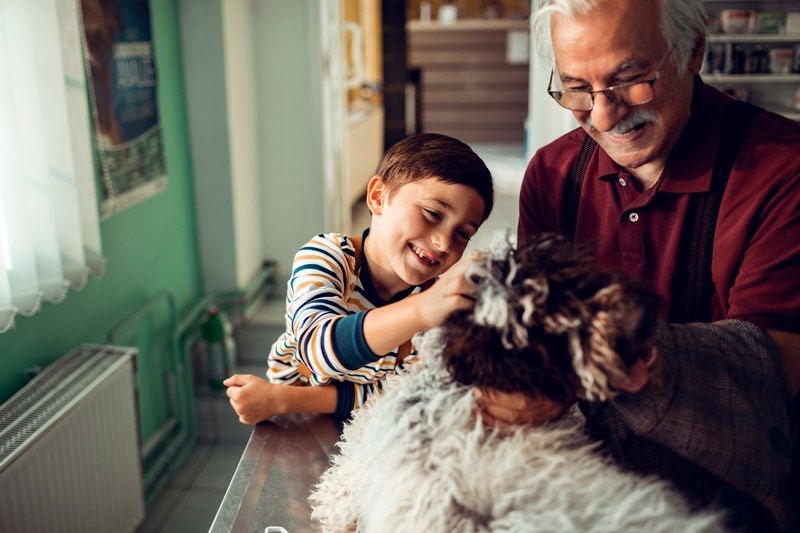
[[353, 304]]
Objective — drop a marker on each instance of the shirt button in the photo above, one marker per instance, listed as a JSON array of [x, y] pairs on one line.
[[622, 182], [633, 217]]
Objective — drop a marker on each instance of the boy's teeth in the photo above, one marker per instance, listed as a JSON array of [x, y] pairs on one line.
[[420, 253]]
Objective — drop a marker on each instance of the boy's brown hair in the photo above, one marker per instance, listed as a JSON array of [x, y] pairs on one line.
[[433, 155]]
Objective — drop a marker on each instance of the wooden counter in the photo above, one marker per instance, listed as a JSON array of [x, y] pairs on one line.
[[281, 463]]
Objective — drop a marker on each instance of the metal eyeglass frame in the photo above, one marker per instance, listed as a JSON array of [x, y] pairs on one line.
[[610, 92]]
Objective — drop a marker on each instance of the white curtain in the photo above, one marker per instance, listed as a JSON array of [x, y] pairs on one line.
[[49, 231]]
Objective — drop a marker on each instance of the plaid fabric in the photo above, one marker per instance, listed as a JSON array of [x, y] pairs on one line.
[[716, 422]]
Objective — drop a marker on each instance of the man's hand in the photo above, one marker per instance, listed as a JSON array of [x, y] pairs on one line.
[[508, 409], [789, 347], [639, 372]]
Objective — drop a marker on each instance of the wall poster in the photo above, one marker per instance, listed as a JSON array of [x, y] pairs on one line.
[[121, 75]]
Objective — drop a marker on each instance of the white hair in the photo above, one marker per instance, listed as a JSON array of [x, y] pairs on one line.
[[681, 22]]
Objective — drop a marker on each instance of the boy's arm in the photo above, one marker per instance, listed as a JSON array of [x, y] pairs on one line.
[[255, 399], [389, 326], [323, 276], [332, 344]]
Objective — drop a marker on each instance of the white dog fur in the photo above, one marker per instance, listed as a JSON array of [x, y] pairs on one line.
[[418, 459]]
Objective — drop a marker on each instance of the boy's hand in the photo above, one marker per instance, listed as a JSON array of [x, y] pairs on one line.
[[387, 327], [253, 398], [452, 291]]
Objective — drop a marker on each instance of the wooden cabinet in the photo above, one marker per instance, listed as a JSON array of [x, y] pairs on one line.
[[473, 78]]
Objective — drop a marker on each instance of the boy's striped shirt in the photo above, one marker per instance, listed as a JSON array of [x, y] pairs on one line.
[[327, 297]]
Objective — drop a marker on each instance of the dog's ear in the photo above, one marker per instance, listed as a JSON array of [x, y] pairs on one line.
[[623, 322], [636, 323]]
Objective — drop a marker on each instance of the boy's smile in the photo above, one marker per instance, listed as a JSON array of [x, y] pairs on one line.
[[418, 232], [424, 256]]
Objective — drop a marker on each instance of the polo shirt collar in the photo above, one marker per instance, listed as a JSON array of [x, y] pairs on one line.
[[366, 281]]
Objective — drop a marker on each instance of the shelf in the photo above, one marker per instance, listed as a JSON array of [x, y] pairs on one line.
[[750, 78], [468, 24], [775, 92], [754, 38]]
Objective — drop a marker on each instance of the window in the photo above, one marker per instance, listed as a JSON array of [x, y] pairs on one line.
[[49, 231]]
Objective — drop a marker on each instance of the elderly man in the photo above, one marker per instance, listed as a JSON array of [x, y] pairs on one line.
[[671, 179]]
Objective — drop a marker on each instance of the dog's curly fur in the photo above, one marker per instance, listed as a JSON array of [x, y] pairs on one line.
[[547, 322], [537, 304]]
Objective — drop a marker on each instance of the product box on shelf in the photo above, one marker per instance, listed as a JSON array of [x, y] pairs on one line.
[[770, 22], [737, 20], [793, 23], [780, 60]]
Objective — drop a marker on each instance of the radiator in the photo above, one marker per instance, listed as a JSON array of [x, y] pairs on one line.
[[69, 447]]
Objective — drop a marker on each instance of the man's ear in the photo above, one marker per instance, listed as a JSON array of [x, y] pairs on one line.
[[698, 54], [376, 195]]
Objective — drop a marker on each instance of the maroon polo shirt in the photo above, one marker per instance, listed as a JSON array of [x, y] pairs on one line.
[[756, 254]]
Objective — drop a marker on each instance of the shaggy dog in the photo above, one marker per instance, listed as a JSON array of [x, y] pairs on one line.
[[546, 322]]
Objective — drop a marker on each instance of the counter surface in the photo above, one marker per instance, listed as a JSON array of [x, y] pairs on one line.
[[281, 463]]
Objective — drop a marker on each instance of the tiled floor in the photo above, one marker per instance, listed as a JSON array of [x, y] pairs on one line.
[[190, 500]]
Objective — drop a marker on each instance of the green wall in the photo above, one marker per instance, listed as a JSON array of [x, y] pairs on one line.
[[150, 247]]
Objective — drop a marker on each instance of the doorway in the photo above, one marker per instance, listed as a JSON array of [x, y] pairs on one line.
[[492, 84]]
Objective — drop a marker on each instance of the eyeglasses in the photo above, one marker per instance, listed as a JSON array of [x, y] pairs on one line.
[[630, 94]]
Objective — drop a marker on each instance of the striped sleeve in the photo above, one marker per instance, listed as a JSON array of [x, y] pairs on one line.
[[350, 396], [318, 298]]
